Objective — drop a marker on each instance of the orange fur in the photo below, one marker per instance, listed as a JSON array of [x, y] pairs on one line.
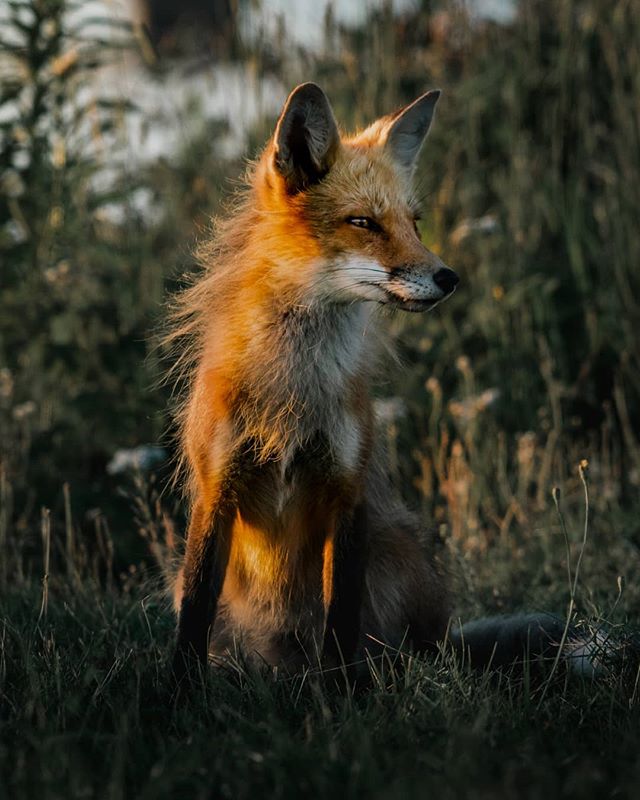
[[292, 522]]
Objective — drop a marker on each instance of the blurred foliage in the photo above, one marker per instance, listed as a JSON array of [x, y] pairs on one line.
[[531, 175], [76, 294], [531, 190]]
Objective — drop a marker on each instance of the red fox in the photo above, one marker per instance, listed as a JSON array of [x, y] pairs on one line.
[[298, 551]]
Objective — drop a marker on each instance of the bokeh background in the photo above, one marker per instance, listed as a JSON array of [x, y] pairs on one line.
[[123, 126]]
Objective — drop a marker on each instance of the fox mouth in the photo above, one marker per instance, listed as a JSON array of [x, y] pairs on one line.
[[413, 304]]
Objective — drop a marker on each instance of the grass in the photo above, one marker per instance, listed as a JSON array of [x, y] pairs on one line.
[[88, 715], [88, 711]]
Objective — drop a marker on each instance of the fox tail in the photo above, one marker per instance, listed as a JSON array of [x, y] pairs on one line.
[[542, 641]]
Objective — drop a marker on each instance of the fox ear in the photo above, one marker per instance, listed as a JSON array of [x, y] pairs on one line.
[[408, 129], [306, 140]]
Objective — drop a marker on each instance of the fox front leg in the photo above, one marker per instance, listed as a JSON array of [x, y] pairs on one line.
[[344, 583], [205, 565]]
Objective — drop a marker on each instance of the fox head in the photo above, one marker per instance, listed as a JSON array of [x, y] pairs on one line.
[[351, 199]]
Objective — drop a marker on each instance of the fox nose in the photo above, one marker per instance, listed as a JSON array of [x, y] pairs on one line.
[[446, 279]]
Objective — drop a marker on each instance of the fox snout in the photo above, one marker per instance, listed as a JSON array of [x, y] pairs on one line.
[[419, 287], [413, 286]]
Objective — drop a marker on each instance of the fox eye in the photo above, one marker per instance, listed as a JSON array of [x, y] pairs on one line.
[[416, 229], [364, 222]]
